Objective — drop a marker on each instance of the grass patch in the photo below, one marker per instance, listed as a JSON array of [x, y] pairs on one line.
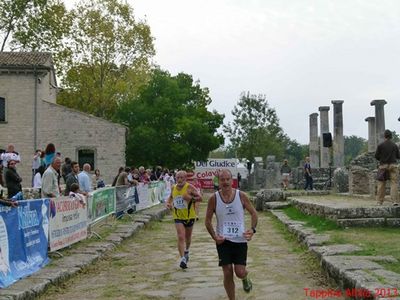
[[320, 224], [375, 241], [379, 241]]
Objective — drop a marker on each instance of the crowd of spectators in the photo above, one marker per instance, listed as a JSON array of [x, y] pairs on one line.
[[53, 177], [132, 176]]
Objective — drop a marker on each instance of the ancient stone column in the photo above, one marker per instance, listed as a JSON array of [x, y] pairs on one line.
[[324, 125], [371, 134], [379, 119], [313, 147], [338, 138]]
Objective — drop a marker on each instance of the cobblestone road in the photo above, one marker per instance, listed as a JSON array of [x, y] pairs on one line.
[[146, 267]]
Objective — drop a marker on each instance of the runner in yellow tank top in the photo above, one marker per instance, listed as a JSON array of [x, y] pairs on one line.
[[182, 202]]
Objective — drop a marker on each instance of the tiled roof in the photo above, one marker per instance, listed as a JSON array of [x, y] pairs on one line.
[[25, 59]]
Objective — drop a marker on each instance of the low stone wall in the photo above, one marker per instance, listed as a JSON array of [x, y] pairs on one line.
[[352, 216], [264, 197]]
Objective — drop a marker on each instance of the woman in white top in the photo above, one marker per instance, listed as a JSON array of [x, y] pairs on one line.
[[37, 179]]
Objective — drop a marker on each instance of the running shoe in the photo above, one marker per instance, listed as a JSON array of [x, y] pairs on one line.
[[247, 285], [186, 255], [183, 263]]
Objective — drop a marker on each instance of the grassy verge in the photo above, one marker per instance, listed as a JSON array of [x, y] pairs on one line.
[[320, 224], [376, 241]]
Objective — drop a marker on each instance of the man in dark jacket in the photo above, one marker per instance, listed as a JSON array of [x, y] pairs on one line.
[[387, 153], [72, 177]]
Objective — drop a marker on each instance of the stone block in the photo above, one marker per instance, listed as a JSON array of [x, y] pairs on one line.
[[114, 238], [276, 205], [76, 260], [316, 240], [337, 265], [393, 222], [370, 222], [101, 246], [329, 250]]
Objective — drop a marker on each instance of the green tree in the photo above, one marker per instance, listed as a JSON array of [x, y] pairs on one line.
[[110, 57], [34, 25], [353, 146], [169, 123], [294, 151], [255, 129]]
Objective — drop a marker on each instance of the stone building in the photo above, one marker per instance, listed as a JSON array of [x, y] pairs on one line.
[[30, 118]]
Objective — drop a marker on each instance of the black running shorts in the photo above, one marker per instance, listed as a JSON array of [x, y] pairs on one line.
[[186, 223], [232, 253]]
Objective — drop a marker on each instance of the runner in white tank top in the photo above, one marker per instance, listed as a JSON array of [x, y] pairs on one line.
[[230, 235], [230, 218]]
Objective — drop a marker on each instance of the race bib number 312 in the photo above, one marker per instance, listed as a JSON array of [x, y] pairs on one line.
[[233, 229]]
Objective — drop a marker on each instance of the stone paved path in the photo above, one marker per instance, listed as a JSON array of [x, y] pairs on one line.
[[146, 267]]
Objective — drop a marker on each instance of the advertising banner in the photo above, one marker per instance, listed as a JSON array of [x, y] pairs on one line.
[[101, 203], [150, 194], [205, 171], [68, 222], [126, 199], [23, 239]]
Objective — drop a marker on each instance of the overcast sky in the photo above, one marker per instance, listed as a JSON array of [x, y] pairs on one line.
[[300, 53]]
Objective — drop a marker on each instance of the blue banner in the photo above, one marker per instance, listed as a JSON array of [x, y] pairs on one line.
[[23, 239]]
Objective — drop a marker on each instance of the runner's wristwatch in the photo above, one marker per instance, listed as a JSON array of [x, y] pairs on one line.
[[254, 229]]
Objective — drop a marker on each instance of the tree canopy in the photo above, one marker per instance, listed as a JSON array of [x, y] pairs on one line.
[[33, 25], [110, 58], [353, 146], [255, 129], [169, 123]]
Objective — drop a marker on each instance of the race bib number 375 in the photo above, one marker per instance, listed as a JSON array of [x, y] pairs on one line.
[[179, 203]]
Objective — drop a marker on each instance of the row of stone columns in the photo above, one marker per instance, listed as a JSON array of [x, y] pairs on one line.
[[319, 155]]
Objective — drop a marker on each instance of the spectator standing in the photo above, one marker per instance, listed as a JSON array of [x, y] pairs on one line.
[[37, 179], [97, 180], [36, 163], [123, 178], [85, 183], [387, 153], [285, 173], [10, 154], [120, 169], [5, 157], [66, 168], [49, 154], [50, 186], [72, 177], [307, 175], [153, 175], [13, 180]]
